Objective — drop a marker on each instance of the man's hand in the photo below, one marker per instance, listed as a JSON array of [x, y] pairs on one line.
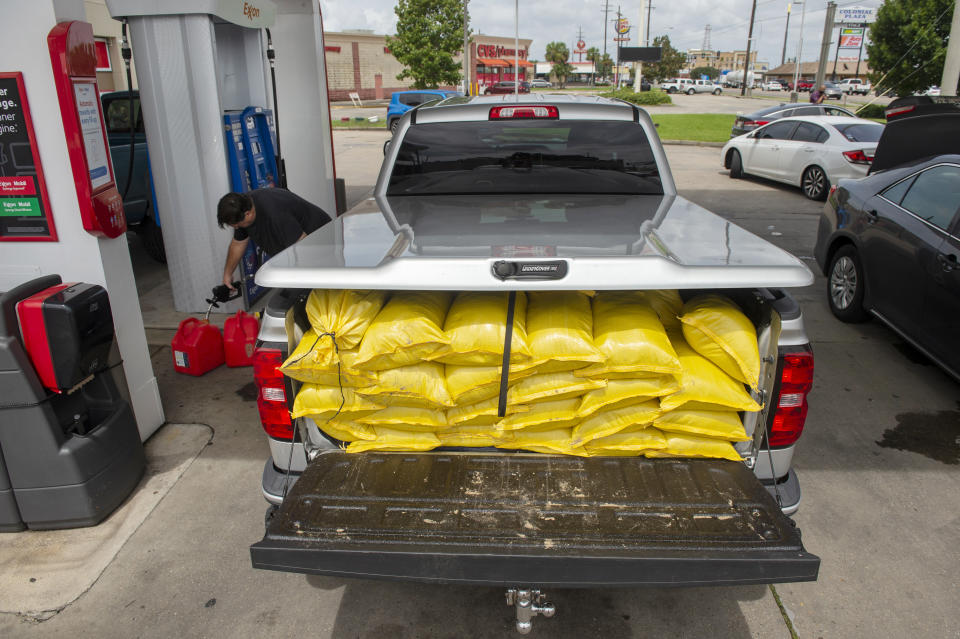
[[228, 282]]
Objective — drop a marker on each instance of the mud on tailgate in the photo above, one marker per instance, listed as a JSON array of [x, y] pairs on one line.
[[507, 519]]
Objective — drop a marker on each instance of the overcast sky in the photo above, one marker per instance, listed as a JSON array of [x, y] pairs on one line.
[[683, 20]]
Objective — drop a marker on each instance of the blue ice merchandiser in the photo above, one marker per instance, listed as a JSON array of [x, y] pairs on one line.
[[251, 153]]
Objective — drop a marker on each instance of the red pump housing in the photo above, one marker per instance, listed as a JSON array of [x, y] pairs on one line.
[[74, 59]]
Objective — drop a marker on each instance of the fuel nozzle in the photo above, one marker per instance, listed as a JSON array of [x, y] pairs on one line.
[[221, 294]]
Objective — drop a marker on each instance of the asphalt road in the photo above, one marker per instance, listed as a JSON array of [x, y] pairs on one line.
[[729, 102], [878, 464]]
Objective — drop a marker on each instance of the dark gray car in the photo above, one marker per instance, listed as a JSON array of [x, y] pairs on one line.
[[889, 243], [750, 121]]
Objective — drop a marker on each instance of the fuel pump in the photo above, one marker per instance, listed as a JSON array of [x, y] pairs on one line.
[[250, 138]]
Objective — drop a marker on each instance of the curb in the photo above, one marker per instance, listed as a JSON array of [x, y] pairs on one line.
[[693, 143]]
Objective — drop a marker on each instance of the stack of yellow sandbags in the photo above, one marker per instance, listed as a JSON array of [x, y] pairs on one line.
[[588, 374]]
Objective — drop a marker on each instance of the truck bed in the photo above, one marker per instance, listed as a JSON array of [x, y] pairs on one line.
[[508, 519]]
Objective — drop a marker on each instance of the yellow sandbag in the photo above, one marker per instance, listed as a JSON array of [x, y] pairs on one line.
[[468, 436], [476, 326], [719, 424], [560, 331], [303, 365], [667, 303], [421, 385], [406, 418], [483, 413], [408, 329], [346, 314], [347, 431], [546, 441], [543, 416], [716, 328], [704, 383], [628, 332], [391, 439], [679, 445], [324, 402], [472, 384], [607, 422], [624, 392], [630, 441], [551, 386]]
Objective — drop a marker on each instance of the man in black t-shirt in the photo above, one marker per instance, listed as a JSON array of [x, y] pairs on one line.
[[274, 218]]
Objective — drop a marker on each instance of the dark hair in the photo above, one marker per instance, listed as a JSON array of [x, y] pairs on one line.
[[232, 207]]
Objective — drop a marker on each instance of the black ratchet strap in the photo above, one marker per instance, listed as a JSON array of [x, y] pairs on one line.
[[505, 367]]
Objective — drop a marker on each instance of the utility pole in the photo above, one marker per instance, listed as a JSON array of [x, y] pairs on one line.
[[617, 74], [825, 43], [746, 61], [836, 56], [649, 8], [951, 66], [796, 62], [783, 54], [606, 16], [467, 85]]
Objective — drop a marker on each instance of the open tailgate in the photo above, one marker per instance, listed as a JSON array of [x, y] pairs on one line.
[[508, 519]]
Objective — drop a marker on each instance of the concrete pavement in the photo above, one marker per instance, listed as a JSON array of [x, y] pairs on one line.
[[884, 520]]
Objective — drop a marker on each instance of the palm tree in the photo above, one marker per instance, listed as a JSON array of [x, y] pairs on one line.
[[593, 55], [557, 53]]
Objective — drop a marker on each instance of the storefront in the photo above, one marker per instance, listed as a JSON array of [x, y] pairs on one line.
[[495, 59]]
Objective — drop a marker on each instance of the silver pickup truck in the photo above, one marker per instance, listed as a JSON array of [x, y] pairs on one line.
[[550, 193], [691, 86]]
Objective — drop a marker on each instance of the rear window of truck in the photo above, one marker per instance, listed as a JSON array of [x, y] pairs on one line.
[[529, 156]]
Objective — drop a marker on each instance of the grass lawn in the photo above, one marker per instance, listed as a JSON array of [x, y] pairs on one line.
[[362, 123], [702, 127]]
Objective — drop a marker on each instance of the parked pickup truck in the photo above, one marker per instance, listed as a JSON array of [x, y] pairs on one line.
[[854, 85], [691, 86], [568, 193], [138, 202]]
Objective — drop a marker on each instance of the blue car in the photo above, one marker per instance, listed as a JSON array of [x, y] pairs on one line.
[[403, 101]]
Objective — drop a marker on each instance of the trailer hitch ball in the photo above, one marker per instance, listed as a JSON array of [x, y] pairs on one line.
[[529, 604]]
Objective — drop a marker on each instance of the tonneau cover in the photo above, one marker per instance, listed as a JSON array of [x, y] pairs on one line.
[[606, 242], [508, 519]]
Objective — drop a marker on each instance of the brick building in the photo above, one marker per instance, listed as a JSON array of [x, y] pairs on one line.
[[360, 62]]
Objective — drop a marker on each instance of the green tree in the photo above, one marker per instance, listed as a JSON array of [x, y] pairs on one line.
[[710, 72], [558, 53], [915, 30], [593, 55], [671, 61], [605, 67], [429, 34], [562, 70]]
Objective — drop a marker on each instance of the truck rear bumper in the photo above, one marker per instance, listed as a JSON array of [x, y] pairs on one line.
[[506, 519]]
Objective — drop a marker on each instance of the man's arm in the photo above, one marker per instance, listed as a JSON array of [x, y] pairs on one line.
[[234, 255]]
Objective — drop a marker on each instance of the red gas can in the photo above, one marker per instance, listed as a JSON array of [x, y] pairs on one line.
[[197, 347], [240, 338]]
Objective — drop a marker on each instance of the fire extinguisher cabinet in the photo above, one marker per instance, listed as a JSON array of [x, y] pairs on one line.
[[69, 442]]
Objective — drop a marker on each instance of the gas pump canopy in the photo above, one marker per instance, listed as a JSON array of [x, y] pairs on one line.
[[256, 14]]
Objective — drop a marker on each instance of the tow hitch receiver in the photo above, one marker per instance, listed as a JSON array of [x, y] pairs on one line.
[[529, 604]]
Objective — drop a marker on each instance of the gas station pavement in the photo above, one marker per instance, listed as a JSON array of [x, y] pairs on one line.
[[879, 465]]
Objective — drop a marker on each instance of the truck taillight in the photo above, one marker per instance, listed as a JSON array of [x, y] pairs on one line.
[[524, 112], [795, 382], [271, 393]]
